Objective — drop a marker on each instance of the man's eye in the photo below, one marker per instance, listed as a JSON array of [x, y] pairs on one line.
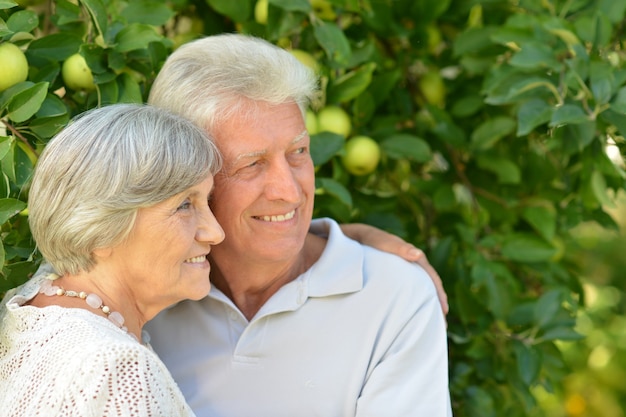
[[301, 150]]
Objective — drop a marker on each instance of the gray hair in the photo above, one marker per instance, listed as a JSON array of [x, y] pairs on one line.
[[208, 80], [107, 163]]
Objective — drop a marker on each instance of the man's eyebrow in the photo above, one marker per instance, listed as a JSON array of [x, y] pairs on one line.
[[295, 140], [248, 155], [301, 136]]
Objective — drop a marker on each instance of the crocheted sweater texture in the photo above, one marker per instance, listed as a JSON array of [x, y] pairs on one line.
[[57, 361]]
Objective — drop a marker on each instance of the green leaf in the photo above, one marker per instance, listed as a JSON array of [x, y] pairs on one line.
[[535, 55], [505, 35], [9, 207], [351, 84], [129, 90], [490, 132], [531, 114], [542, 219], [56, 47], [236, 10], [473, 40], [25, 104], [528, 360], [478, 402], [4, 29], [334, 188], [23, 164], [98, 14], [150, 12], [136, 36], [613, 9], [450, 133], [506, 170], [575, 137], [615, 117], [46, 127], [428, 10], [595, 29], [599, 188], [567, 36], [109, 92], [485, 275], [547, 307], [5, 145], [7, 4], [404, 145], [324, 146], [8, 165], [560, 333], [568, 114], [602, 81], [527, 248], [23, 21], [529, 84], [293, 5], [67, 12], [334, 42]]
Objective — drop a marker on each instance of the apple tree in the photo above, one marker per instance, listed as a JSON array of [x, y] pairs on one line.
[[477, 129]]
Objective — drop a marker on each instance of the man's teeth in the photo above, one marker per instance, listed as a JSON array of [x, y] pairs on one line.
[[280, 217], [196, 260]]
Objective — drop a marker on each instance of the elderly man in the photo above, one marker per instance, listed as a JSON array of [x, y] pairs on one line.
[[295, 325]]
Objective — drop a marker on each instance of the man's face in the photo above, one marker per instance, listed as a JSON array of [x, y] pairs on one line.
[[263, 197]]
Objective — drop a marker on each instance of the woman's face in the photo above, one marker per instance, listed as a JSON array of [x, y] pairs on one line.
[[164, 259]]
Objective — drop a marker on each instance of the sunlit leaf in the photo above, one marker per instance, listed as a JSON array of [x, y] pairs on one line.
[[25, 104], [334, 42], [490, 132], [9, 207]]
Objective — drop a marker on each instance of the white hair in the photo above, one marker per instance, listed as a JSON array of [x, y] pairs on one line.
[[107, 163]]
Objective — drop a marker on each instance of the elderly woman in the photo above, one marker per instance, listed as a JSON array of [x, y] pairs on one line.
[[119, 209]]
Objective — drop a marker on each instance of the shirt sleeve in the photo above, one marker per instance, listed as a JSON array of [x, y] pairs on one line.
[[124, 381], [411, 376]]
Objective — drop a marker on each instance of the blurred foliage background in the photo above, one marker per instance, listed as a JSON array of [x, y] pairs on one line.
[[488, 132]]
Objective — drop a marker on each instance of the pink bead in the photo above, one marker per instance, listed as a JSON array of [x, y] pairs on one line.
[[93, 301], [51, 290], [116, 318]]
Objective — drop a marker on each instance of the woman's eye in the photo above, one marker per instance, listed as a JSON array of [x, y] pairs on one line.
[[184, 206]]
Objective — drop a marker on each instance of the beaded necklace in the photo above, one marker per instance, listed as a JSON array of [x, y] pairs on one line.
[[93, 300]]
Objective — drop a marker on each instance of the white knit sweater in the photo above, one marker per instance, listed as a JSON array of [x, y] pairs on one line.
[[57, 361]]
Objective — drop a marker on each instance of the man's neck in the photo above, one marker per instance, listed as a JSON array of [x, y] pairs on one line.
[[250, 284]]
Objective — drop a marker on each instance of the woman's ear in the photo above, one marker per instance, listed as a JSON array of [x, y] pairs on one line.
[[101, 253]]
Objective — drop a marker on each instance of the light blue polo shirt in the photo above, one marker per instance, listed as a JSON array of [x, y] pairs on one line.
[[361, 333]]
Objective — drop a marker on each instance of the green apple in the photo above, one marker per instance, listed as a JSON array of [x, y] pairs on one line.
[[260, 11], [362, 155], [433, 88], [311, 122], [305, 58], [434, 39], [323, 9], [334, 119], [14, 68], [76, 74]]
